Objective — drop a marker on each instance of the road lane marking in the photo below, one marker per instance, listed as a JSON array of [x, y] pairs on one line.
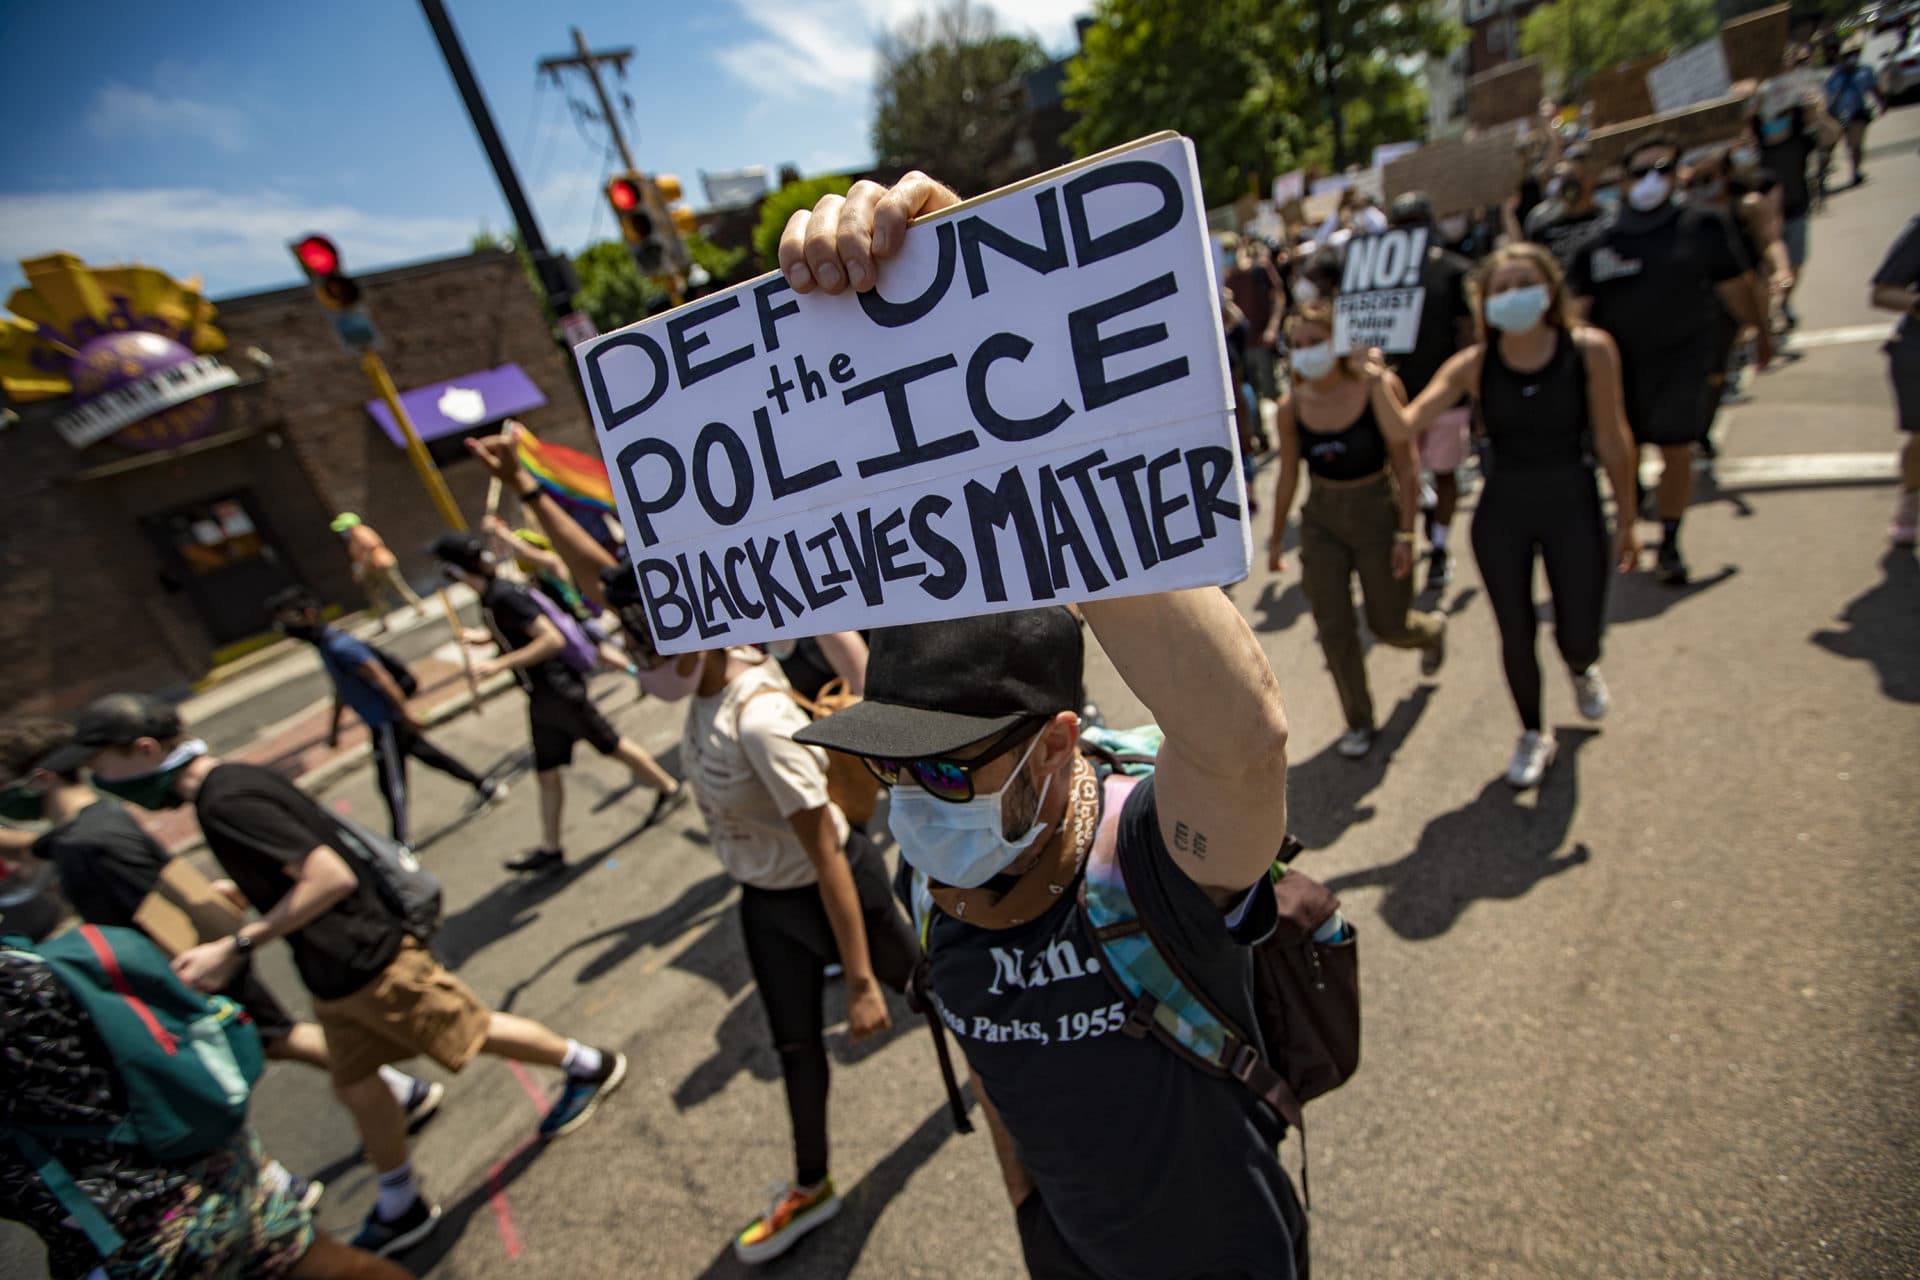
[[1843, 336], [1786, 470]]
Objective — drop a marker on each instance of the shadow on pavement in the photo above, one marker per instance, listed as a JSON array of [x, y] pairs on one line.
[[1636, 597], [512, 905], [1492, 848], [431, 1252], [696, 907], [1324, 794], [1883, 627], [835, 1248], [1279, 607], [1707, 490]]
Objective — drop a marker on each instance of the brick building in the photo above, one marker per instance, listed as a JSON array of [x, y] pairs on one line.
[[130, 569]]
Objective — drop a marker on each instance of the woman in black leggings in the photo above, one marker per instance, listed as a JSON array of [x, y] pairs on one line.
[[1550, 399]]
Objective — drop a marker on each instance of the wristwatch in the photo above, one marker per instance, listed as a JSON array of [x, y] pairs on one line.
[[530, 493], [242, 945], [1403, 535]]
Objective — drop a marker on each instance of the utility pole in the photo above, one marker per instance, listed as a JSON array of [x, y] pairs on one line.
[[1333, 91], [587, 59], [556, 273]]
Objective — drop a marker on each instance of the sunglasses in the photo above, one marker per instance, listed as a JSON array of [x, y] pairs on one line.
[[945, 778], [1642, 170]]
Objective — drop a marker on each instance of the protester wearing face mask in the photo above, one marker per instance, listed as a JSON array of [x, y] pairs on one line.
[[1654, 279], [1569, 216], [813, 888], [976, 714], [362, 681], [378, 994], [1350, 429], [1708, 186], [1785, 143], [1852, 94], [1550, 399], [559, 711]]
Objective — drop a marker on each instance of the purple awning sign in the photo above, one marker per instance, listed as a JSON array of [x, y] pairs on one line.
[[461, 404]]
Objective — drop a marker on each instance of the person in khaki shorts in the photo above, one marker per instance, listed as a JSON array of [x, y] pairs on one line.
[[379, 995], [375, 568], [1351, 430]]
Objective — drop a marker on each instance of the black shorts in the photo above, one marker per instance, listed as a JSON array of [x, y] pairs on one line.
[[558, 722], [270, 1017], [1669, 400], [1903, 366]]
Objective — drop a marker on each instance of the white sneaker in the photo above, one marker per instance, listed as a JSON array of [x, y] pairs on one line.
[[1590, 691], [1355, 743], [1531, 757]]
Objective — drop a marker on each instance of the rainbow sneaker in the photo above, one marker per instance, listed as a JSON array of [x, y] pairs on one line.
[[791, 1213]]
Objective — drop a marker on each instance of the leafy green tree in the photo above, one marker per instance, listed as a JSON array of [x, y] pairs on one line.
[[1244, 79], [952, 97], [612, 290], [780, 206], [718, 260], [1579, 37]]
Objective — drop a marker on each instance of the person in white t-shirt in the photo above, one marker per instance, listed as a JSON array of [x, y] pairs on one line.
[[813, 888]]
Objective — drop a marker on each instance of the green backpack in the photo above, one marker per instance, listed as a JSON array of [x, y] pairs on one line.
[[187, 1062]]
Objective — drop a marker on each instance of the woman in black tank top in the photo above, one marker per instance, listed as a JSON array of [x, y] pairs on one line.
[[1550, 399], [1346, 420]]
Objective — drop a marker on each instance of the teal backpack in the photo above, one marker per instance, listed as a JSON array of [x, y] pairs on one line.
[[1306, 974], [187, 1062]]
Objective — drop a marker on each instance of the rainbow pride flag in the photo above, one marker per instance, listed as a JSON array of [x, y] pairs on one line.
[[565, 473]]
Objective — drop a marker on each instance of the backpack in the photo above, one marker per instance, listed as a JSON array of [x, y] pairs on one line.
[[407, 889], [580, 653], [850, 785], [1306, 992]]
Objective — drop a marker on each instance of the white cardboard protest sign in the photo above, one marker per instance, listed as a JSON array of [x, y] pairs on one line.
[[1698, 75], [1289, 187], [1789, 89], [1381, 296], [1031, 408]]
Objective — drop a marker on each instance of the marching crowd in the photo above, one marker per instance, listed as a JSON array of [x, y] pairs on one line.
[[1134, 1108]]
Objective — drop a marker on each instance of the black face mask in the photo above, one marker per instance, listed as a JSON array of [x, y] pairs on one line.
[[301, 630]]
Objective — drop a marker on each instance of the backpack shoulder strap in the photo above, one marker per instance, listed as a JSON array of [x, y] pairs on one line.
[[67, 1194], [1161, 1001]]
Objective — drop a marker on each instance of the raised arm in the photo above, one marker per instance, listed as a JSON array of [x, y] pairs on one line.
[[1221, 780], [583, 557]]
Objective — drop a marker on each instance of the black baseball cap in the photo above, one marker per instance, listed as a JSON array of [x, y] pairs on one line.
[[114, 721], [463, 551], [934, 687]]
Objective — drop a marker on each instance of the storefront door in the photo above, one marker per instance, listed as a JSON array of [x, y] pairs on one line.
[[222, 553]]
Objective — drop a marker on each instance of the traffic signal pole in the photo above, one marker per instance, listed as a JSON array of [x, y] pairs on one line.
[[436, 485], [553, 272]]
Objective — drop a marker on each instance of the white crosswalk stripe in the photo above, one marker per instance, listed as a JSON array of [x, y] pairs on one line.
[[1808, 339]]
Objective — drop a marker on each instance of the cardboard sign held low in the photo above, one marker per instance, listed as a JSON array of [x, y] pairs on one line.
[[1381, 296], [184, 910], [1032, 407]]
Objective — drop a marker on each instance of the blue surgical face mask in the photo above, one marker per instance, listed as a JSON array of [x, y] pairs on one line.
[[1607, 198], [963, 845], [1518, 310], [1313, 362], [155, 790]]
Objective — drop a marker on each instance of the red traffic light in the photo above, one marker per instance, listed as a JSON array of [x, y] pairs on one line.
[[317, 255], [624, 194]]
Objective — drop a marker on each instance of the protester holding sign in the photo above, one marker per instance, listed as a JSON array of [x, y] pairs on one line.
[[1550, 399], [1345, 418], [1651, 279], [1121, 1159]]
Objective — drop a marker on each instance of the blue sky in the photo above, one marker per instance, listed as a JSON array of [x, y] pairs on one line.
[[201, 139]]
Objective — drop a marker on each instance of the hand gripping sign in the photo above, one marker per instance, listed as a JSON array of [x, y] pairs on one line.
[[1380, 294], [1032, 407]]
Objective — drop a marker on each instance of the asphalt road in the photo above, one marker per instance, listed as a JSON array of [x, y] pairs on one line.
[[1660, 1019]]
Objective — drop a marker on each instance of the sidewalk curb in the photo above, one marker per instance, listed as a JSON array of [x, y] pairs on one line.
[[317, 780]]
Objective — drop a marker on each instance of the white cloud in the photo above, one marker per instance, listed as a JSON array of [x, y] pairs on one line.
[[235, 242], [120, 111], [814, 47]]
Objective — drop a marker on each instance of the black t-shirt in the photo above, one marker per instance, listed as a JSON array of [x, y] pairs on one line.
[[1651, 277], [106, 861], [257, 823], [1786, 144], [1149, 1167], [1901, 269], [1563, 231], [1444, 277], [512, 610]]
